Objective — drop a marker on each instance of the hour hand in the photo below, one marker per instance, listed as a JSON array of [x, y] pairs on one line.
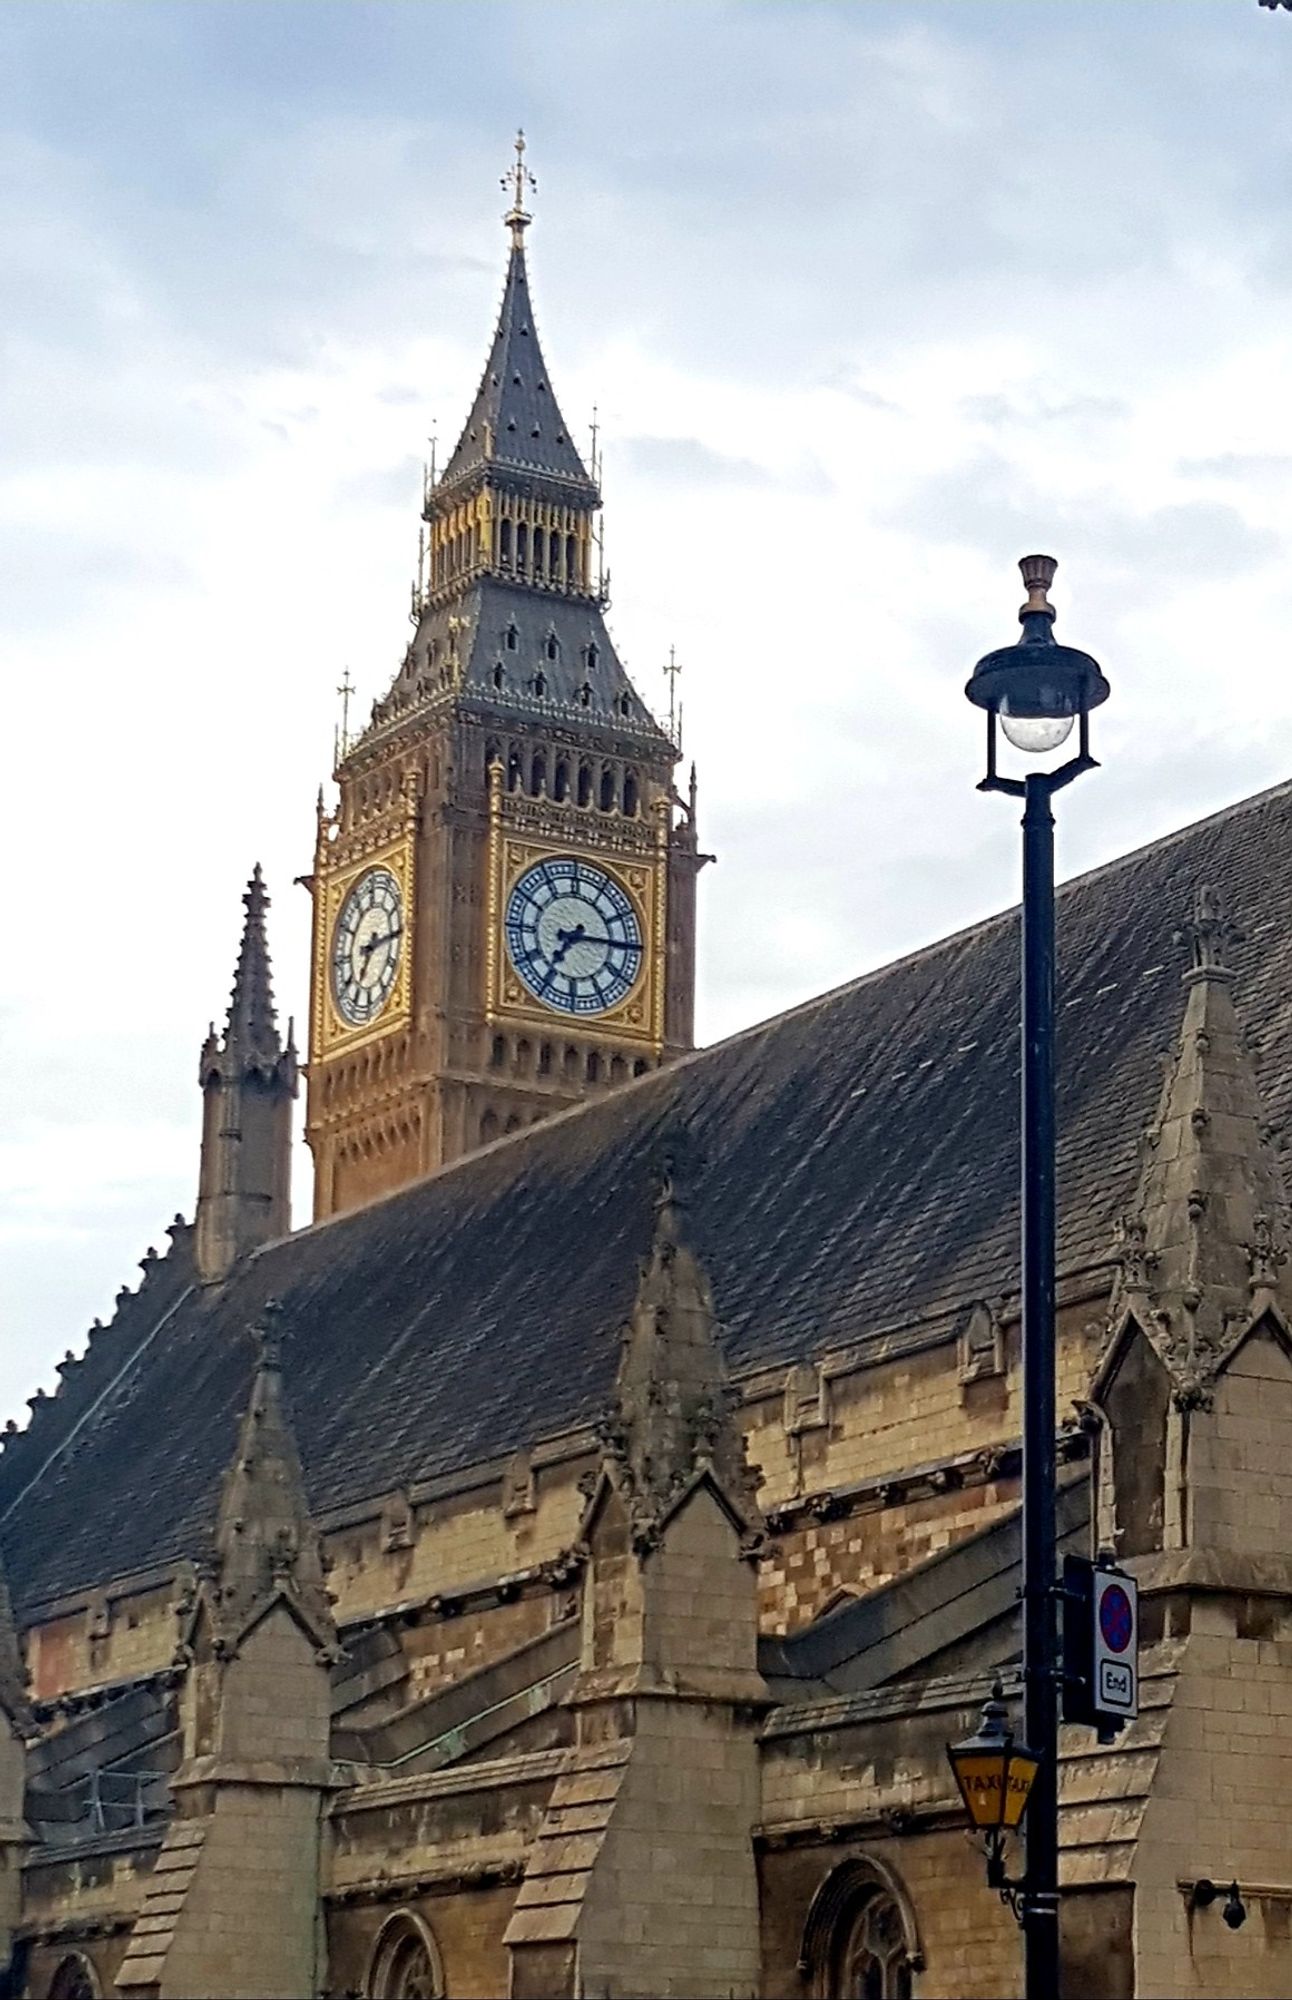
[[564, 939]]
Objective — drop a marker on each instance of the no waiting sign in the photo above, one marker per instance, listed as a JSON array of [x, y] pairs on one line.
[[1116, 1644]]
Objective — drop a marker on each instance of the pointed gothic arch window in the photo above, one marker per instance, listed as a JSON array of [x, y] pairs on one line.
[[607, 790], [571, 1064], [585, 695], [553, 553], [540, 685], [561, 782], [515, 776], [512, 637], [498, 1052], [553, 647], [537, 551], [585, 784], [545, 1059], [592, 1068], [522, 548], [860, 1941], [488, 1128], [571, 560], [504, 543], [538, 774], [74, 1979], [631, 799], [592, 653], [641, 1066], [499, 676], [405, 1963]]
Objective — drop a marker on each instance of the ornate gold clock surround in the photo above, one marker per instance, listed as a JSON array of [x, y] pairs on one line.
[[635, 853], [332, 1032]]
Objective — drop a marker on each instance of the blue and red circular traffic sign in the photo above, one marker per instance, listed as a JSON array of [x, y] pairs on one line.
[[1116, 1619]]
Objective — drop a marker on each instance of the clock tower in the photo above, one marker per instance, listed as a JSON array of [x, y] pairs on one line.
[[504, 895]]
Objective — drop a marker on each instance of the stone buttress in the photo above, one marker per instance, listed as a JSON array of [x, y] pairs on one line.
[[643, 1878], [233, 1906], [1196, 1495]]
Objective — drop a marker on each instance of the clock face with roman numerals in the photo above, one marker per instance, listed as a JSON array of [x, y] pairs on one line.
[[573, 935], [366, 947]]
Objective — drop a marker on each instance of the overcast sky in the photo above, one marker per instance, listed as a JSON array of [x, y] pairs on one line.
[[873, 299]]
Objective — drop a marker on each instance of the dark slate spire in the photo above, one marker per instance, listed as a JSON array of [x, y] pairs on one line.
[[511, 588], [515, 423], [248, 1081], [252, 1027]]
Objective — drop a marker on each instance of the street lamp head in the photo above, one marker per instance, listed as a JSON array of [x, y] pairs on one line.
[[1036, 687], [993, 1773]]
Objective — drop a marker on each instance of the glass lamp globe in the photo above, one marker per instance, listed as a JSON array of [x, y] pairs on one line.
[[1035, 733]]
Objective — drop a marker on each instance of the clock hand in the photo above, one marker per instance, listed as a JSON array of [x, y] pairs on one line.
[[564, 939], [384, 937]]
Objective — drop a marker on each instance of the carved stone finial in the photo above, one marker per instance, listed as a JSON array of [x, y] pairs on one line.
[[268, 1335], [1133, 1254], [677, 1166], [1208, 933], [1266, 1256]]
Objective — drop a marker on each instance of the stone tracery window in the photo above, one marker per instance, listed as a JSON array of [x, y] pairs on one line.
[[405, 1963], [873, 1963], [860, 1941]]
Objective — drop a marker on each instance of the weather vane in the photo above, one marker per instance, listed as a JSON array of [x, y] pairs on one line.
[[515, 182]]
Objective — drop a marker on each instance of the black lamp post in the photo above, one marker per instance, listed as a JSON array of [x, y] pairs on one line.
[[1038, 689]]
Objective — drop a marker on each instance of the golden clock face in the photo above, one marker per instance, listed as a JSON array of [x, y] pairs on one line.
[[367, 945]]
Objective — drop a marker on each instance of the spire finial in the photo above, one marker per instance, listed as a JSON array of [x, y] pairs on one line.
[[1209, 934], [251, 1026], [514, 182], [267, 1333], [673, 669], [345, 690]]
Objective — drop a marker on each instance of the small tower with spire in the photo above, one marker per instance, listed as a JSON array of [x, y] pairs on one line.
[[248, 1079]]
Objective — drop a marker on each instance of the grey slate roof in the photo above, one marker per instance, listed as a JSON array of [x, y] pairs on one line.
[[515, 405], [477, 621], [860, 1172]]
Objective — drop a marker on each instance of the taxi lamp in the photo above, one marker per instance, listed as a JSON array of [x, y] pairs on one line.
[[993, 1775]]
